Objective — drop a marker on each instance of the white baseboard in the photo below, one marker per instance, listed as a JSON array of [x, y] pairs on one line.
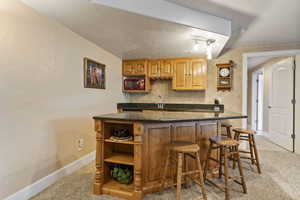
[[35, 188]]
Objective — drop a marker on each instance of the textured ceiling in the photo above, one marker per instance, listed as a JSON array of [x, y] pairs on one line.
[[125, 34], [129, 35], [255, 22], [255, 61]]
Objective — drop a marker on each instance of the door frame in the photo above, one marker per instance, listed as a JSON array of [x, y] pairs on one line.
[[246, 56], [255, 95]]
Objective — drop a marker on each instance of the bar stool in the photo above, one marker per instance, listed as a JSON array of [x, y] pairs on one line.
[[182, 149], [248, 135], [228, 148], [228, 127]]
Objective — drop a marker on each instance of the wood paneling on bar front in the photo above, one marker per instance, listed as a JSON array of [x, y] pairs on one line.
[[148, 150]]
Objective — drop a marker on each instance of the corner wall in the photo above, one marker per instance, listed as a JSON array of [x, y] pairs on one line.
[[44, 108]]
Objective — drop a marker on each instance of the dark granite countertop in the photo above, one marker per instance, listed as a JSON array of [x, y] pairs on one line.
[[164, 117], [171, 107]]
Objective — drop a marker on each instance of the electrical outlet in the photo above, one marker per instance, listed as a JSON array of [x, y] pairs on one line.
[[80, 144]]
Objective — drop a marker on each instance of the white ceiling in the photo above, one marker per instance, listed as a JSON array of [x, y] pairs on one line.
[[128, 35], [255, 22], [255, 61]]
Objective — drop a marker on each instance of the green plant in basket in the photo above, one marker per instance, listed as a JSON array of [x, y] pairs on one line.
[[122, 174]]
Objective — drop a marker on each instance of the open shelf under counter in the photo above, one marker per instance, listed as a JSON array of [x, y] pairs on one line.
[[113, 187], [119, 141], [120, 158]]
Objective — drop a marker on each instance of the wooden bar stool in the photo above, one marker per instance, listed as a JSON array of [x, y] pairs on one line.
[[248, 135], [228, 148], [228, 127], [182, 149]]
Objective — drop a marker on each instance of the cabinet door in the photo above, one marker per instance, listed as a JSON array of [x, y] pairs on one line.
[[166, 69], [180, 73], [140, 67], [198, 74], [128, 68], [154, 68], [158, 137]]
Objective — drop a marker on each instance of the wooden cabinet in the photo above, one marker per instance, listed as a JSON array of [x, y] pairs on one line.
[[190, 74], [134, 67], [198, 74], [186, 73], [162, 68], [154, 67], [166, 68]]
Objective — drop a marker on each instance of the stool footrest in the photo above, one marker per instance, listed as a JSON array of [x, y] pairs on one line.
[[211, 158], [242, 151], [191, 172], [216, 185]]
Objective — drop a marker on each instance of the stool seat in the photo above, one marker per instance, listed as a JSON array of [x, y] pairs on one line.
[[226, 125], [223, 141], [184, 147], [244, 131]]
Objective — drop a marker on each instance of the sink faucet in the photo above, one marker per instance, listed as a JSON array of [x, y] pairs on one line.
[[160, 105]]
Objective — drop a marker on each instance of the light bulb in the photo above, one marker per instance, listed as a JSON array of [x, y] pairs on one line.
[[209, 52], [196, 47]]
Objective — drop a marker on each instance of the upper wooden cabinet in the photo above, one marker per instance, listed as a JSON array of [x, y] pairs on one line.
[[134, 67], [181, 70], [154, 67], [190, 74], [167, 68], [162, 68], [187, 73]]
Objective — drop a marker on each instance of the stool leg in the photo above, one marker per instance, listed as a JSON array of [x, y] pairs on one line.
[[251, 149], [229, 132], [207, 160], [179, 175], [256, 154], [226, 173], [201, 176], [165, 171], [241, 172], [185, 163], [237, 138], [221, 161]]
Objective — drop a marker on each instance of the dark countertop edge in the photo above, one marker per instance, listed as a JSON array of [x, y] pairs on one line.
[[172, 120], [168, 106]]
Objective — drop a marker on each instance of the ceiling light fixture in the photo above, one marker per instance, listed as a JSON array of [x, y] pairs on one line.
[[197, 45], [209, 43]]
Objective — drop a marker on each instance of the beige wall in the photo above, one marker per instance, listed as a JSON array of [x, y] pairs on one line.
[[44, 108]]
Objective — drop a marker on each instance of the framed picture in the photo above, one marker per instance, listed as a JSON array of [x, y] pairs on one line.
[[94, 74]]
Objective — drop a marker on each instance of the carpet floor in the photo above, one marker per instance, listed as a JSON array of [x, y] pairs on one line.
[[280, 180]]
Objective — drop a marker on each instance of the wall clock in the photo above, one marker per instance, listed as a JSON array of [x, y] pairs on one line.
[[224, 76]]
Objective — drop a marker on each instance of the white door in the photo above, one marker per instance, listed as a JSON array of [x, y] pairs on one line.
[[280, 104]]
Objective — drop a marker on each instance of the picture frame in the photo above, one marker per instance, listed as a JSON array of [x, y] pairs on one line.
[[94, 74]]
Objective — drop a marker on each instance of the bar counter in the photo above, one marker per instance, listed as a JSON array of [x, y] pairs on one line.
[[146, 152]]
